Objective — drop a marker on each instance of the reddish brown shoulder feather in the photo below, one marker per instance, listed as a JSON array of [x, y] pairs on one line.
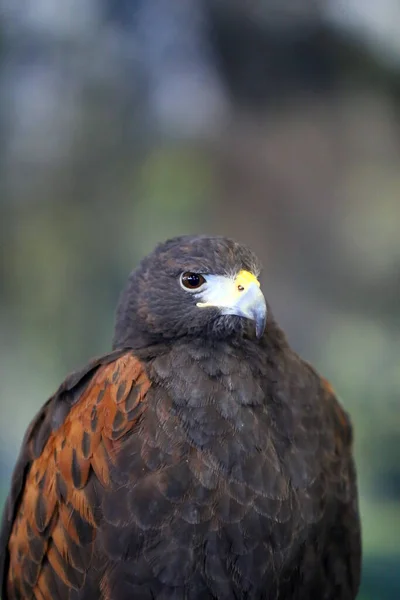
[[51, 540]]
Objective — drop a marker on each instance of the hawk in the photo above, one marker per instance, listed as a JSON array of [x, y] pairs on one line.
[[201, 458]]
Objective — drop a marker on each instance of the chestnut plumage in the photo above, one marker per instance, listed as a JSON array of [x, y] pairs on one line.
[[195, 461]]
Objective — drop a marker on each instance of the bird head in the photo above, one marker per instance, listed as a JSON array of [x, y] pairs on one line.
[[191, 286]]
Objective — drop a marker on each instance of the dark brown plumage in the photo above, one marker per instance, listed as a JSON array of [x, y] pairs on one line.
[[195, 461]]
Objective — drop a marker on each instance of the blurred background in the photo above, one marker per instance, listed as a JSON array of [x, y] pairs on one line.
[[124, 122]]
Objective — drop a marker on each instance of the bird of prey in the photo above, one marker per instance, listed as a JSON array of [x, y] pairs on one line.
[[201, 458]]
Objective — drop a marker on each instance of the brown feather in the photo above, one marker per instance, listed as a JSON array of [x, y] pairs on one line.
[[54, 503]]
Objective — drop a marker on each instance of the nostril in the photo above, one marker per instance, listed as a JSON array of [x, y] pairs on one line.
[[240, 288]]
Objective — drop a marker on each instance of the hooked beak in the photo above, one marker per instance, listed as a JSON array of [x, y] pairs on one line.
[[240, 296]]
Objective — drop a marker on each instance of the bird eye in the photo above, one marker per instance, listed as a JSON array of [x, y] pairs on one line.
[[192, 281]]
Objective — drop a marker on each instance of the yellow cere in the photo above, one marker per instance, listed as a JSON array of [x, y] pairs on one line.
[[244, 278]]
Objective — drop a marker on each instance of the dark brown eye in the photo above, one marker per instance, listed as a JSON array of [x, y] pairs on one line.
[[192, 281]]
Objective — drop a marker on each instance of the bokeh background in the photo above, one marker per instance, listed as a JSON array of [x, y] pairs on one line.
[[124, 122]]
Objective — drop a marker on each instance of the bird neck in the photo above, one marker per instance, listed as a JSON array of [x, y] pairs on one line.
[[200, 372]]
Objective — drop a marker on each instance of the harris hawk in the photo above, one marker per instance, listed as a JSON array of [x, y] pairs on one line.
[[200, 459]]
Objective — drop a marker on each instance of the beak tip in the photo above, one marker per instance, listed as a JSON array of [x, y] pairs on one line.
[[260, 328]]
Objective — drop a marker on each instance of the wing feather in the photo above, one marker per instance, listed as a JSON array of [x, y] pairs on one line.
[[50, 521]]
